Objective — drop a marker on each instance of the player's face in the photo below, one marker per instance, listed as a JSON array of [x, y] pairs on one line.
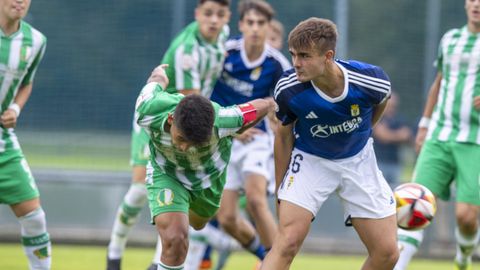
[[274, 38], [211, 18], [178, 140], [472, 8], [254, 27], [14, 10], [308, 63]]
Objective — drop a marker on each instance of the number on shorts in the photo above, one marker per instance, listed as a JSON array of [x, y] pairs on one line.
[[296, 163]]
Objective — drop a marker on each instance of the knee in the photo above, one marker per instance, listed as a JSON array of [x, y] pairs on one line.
[[387, 256], [33, 223], [175, 244], [256, 204], [467, 221], [289, 246], [227, 220]]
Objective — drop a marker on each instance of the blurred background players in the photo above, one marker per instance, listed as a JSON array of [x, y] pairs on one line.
[[21, 50], [275, 34], [327, 110], [195, 59], [448, 138], [390, 134]]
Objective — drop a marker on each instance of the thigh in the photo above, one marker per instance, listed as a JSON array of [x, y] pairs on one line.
[[467, 177], [435, 168], [293, 224], [377, 234], [308, 182], [16, 180], [166, 194]]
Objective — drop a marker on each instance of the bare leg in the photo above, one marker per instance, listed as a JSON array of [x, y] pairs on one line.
[[380, 238], [294, 224]]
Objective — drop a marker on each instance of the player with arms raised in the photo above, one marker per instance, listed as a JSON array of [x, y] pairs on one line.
[[327, 109]]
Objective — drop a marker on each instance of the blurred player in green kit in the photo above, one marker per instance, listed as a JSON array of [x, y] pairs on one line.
[[21, 50]]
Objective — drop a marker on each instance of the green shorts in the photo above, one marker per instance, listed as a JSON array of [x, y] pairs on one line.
[[440, 163], [139, 149], [16, 180], [166, 194]]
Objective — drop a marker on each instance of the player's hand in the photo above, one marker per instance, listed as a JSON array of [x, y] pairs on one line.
[[159, 75], [476, 103], [420, 139], [8, 119], [247, 135]]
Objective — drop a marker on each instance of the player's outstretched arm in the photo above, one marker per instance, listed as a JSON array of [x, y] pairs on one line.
[[259, 108]]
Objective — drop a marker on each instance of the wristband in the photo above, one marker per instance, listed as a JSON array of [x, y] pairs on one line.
[[424, 122], [249, 113], [15, 108]]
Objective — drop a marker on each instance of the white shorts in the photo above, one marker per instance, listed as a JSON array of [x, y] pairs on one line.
[[252, 157], [357, 180]]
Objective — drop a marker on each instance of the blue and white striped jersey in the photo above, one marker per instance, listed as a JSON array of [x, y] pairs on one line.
[[332, 128], [242, 80]]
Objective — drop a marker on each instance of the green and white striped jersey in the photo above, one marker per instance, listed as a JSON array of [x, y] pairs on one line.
[[198, 166], [20, 55], [454, 117], [193, 62]]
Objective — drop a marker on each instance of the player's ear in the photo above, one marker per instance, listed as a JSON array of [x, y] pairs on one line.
[[329, 55], [170, 119]]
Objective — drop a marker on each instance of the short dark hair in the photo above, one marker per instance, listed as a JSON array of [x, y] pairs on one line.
[[194, 118], [260, 6], [320, 34], [220, 2]]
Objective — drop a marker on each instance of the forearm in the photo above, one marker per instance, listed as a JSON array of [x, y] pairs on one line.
[[432, 96], [262, 107], [23, 95], [283, 147]]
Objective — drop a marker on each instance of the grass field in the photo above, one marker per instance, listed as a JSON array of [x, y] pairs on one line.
[[67, 257]]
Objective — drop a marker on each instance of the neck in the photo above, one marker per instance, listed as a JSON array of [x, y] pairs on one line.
[[9, 26], [254, 51], [473, 27], [332, 82]]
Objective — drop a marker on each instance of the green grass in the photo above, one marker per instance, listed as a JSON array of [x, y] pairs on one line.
[[68, 257]]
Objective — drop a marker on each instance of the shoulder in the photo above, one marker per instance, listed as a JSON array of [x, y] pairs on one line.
[[234, 44], [38, 38], [278, 57], [288, 85]]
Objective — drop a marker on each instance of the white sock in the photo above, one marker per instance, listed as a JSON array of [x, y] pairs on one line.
[[196, 250], [35, 240], [162, 266], [408, 243], [158, 251], [217, 238], [465, 246], [126, 217]]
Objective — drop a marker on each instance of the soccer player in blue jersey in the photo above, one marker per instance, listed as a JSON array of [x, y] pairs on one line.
[[327, 109]]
